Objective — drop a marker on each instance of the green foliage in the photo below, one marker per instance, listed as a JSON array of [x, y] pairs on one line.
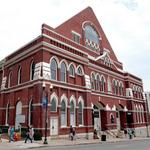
[[4, 129], [23, 134]]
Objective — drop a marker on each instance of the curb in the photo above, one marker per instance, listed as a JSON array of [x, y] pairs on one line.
[[83, 143]]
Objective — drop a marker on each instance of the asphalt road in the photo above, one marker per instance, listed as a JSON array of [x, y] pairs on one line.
[[130, 145]]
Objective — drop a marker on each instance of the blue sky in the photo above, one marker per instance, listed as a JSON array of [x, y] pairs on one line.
[[125, 22]]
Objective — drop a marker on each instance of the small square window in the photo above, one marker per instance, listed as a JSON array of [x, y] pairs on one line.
[[76, 37]]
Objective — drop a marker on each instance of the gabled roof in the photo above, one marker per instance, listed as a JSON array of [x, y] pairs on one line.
[[75, 24]]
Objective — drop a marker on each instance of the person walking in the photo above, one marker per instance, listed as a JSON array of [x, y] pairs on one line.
[[11, 132], [28, 135], [74, 133], [71, 133], [31, 133]]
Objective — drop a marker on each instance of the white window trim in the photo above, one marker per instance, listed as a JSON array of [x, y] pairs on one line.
[[76, 33]]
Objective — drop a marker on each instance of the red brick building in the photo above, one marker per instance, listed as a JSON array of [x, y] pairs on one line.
[[75, 69]]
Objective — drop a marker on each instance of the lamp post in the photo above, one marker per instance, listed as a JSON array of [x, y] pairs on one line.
[[45, 104]]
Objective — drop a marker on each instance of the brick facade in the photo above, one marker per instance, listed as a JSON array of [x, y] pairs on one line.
[[118, 102]]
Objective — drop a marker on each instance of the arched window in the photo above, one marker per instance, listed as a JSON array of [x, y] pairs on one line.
[[121, 88], [137, 114], [63, 72], [79, 71], [97, 82], [18, 112], [32, 68], [114, 86], [140, 114], [19, 108], [19, 75], [30, 112], [134, 91], [143, 118], [93, 81], [80, 113], [9, 79], [117, 87], [92, 38], [102, 84], [53, 105], [71, 70], [53, 68], [72, 113], [63, 113]]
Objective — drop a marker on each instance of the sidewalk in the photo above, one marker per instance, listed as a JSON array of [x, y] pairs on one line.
[[5, 145]]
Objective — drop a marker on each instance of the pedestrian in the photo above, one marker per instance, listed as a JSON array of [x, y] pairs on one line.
[[74, 133], [28, 135], [95, 134], [31, 133], [71, 133], [130, 133], [11, 132]]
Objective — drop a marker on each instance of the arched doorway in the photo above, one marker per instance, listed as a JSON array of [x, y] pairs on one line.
[[18, 113], [97, 117], [120, 117]]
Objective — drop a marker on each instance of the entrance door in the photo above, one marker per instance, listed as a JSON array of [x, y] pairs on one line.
[[118, 120], [18, 114], [97, 120], [54, 126]]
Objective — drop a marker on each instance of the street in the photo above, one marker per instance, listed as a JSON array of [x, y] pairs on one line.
[[127, 145]]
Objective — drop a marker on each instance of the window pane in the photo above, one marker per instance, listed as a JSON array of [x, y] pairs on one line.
[[80, 113], [63, 106], [19, 75], [71, 70], [63, 113], [76, 38], [53, 69], [79, 71], [72, 107], [63, 119], [63, 72], [92, 36], [32, 68], [53, 105]]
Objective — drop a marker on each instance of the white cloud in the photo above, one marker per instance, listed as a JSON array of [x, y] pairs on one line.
[[125, 22]]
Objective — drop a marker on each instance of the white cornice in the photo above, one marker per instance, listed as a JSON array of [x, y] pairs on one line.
[[128, 78], [105, 71], [23, 55], [74, 32], [76, 57], [49, 37], [110, 96]]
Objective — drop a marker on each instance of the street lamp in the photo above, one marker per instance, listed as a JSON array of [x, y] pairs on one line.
[[45, 104]]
